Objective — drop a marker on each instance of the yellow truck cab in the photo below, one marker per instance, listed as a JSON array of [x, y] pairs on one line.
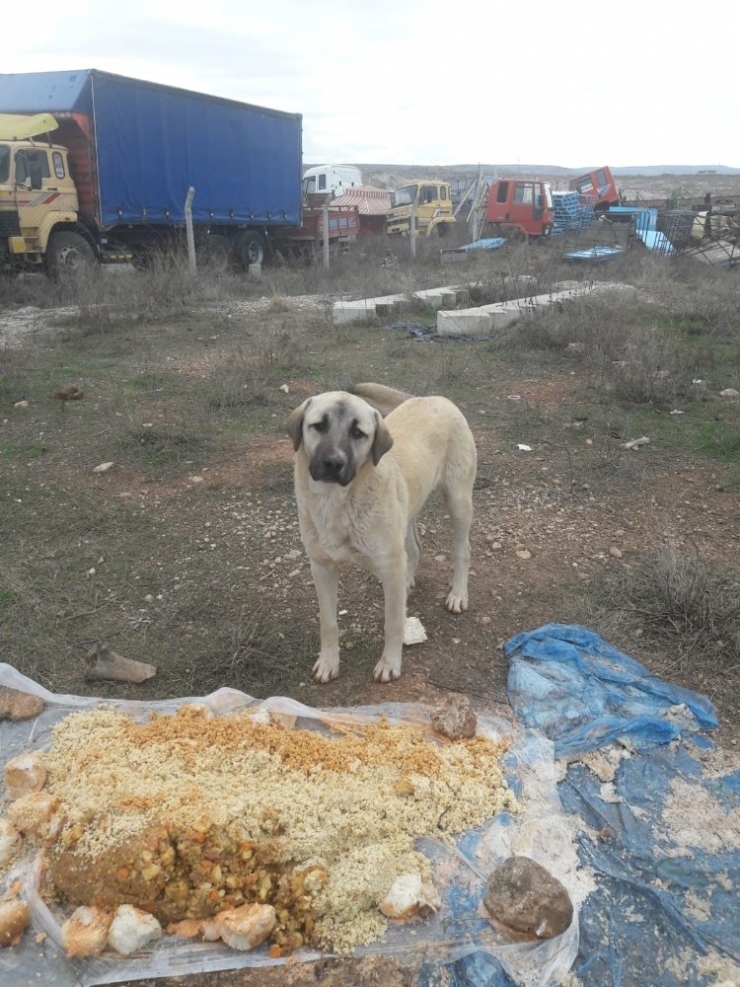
[[432, 203], [39, 206]]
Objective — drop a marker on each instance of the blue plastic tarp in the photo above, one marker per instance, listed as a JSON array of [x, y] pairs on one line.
[[490, 243], [594, 254], [664, 846], [661, 841], [154, 142], [45, 92], [659, 831], [582, 692]]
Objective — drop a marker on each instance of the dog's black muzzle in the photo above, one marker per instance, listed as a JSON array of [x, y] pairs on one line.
[[331, 466]]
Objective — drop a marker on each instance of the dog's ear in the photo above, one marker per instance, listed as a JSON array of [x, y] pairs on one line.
[[383, 440], [294, 424]]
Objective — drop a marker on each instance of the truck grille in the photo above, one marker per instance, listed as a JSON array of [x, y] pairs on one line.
[[9, 224]]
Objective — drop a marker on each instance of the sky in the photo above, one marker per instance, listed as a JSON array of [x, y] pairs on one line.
[[425, 82]]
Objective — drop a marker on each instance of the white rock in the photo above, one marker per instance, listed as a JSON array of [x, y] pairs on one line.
[[402, 900], [103, 468], [10, 842], [23, 774], [414, 632], [247, 926], [85, 933], [31, 811], [132, 929], [410, 896]]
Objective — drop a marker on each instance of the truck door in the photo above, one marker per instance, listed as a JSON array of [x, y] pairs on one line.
[[33, 187], [498, 202], [538, 205], [427, 204], [523, 205]]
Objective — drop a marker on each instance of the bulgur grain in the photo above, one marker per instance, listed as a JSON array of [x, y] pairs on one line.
[[356, 803]]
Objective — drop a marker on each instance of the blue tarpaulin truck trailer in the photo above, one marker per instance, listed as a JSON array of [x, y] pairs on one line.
[[107, 171]]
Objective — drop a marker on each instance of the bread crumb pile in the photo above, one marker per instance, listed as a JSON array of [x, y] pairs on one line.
[[354, 802]]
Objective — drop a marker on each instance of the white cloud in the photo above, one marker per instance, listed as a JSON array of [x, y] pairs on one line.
[[422, 81]]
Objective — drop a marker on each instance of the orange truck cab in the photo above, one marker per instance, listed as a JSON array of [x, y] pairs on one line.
[[600, 184], [522, 206]]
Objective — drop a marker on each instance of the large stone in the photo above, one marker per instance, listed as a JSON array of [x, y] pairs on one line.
[[455, 718], [15, 705], [527, 901]]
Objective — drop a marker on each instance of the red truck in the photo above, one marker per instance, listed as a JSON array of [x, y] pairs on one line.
[[600, 184], [521, 206]]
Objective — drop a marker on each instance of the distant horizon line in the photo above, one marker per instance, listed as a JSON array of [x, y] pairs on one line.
[[665, 169]]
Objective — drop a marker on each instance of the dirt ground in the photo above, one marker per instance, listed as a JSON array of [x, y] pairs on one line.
[[218, 531]]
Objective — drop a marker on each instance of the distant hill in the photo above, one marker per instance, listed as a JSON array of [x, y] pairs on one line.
[[648, 171]]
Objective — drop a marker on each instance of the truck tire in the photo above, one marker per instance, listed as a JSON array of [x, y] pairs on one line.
[[68, 253], [250, 247]]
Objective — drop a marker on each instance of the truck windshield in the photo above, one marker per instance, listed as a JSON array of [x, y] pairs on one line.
[[4, 162], [405, 196]]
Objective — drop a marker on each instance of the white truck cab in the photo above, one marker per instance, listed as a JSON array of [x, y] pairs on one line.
[[330, 179]]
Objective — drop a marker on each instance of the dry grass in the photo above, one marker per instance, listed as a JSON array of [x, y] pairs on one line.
[[184, 378], [686, 603]]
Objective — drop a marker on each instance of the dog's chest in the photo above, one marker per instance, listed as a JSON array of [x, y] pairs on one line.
[[337, 530]]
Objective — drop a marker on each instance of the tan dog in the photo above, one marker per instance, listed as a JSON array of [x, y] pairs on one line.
[[360, 482]]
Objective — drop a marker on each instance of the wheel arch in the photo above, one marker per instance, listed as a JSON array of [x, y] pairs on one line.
[[64, 222]]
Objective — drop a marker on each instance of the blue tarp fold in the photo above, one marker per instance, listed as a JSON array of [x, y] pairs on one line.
[[582, 692]]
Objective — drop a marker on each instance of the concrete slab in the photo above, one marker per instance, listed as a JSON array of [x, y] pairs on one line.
[[368, 308], [485, 319], [448, 297]]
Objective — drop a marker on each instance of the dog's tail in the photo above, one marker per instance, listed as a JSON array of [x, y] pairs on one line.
[[383, 398]]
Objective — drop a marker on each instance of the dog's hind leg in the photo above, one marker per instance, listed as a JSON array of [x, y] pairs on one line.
[[326, 579], [459, 502]]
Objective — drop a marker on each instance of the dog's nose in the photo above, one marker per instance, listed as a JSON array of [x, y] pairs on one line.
[[332, 463]]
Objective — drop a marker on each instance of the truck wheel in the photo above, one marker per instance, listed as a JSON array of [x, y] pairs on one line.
[[68, 253], [250, 247]]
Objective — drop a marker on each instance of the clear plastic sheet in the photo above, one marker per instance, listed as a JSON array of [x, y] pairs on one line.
[[459, 870]]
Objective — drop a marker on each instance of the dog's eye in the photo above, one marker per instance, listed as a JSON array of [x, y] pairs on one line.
[[357, 433], [320, 426]]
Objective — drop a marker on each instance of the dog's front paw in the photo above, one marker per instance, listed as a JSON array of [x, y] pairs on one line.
[[326, 668], [456, 603], [387, 670]]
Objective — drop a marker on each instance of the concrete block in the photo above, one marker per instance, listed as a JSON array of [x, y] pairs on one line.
[[464, 322], [487, 318], [452, 321], [366, 309]]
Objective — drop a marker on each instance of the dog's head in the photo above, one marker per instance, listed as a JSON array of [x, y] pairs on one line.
[[339, 432]]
